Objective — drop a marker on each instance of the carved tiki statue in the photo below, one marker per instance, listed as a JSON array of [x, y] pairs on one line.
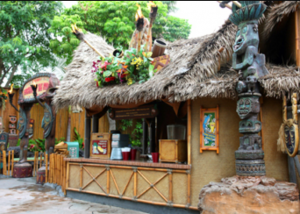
[[251, 66]]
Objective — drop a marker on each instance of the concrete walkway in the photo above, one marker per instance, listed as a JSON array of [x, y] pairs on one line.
[[24, 196]]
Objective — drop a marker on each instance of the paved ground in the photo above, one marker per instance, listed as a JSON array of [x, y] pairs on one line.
[[24, 196]]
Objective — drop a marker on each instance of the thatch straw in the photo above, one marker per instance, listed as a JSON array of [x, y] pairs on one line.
[[198, 68]]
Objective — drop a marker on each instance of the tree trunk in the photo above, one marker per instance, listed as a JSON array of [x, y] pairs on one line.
[[11, 76]]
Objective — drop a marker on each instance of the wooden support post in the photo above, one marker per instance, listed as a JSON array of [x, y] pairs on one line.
[[189, 187], [145, 136], [40, 160], [62, 170], [46, 169], [81, 177], [135, 182], [297, 36], [189, 125], [4, 162], [152, 135], [107, 180], [95, 123], [12, 162], [8, 165], [34, 165], [170, 187], [67, 178], [87, 136]]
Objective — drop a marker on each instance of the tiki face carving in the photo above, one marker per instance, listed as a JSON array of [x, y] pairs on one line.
[[247, 106], [250, 126], [247, 35], [21, 126]]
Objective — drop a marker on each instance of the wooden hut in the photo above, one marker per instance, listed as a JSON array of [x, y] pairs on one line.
[[199, 76]]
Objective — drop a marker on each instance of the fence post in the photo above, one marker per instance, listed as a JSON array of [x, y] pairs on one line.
[[4, 162], [13, 162], [8, 164], [46, 168]]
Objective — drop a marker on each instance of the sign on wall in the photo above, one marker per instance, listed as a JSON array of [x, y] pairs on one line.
[[209, 129]]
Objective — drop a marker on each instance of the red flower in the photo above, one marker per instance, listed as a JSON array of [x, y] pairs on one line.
[[31, 146], [124, 75], [109, 79], [97, 84], [104, 65]]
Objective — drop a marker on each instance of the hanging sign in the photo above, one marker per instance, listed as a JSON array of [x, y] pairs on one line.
[[147, 111], [209, 129]]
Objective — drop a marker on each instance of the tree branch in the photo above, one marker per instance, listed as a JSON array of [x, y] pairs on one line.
[[11, 76]]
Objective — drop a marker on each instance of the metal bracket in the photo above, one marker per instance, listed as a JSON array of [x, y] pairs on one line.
[[187, 205], [120, 196], [151, 185], [80, 189], [188, 171], [170, 203], [169, 171], [134, 169], [107, 167], [94, 179], [134, 198], [81, 165]]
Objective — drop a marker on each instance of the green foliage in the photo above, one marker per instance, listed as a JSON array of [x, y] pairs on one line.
[[24, 40], [79, 139], [133, 67], [137, 133], [114, 20], [57, 141], [36, 145], [19, 142]]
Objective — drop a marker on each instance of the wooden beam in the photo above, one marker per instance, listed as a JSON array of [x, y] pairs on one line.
[[189, 125], [87, 135], [297, 27]]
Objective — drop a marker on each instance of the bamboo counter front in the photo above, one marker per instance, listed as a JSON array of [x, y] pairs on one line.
[[172, 151]]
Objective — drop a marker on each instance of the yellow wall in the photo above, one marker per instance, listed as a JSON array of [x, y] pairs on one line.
[[211, 167]]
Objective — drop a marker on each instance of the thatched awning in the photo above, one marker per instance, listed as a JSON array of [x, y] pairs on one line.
[[194, 71]]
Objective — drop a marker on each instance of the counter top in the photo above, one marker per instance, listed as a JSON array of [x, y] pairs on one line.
[[130, 163]]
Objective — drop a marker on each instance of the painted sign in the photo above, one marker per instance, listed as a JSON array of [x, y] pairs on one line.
[[99, 147], [42, 86], [209, 129]]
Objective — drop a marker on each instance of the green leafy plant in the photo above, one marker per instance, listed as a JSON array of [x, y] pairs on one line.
[[78, 139], [19, 142], [134, 66], [36, 145], [137, 133], [57, 141]]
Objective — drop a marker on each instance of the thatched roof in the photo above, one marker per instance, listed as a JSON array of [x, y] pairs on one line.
[[194, 72]]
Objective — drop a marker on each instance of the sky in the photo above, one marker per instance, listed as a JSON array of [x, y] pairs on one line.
[[205, 17]]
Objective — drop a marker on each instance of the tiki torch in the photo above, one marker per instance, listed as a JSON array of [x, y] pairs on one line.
[[78, 33], [139, 18], [153, 12], [34, 88], [11, 95]]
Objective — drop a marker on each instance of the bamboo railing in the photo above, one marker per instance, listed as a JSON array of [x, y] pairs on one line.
[[7, 165], [56, 172], [38, 162]]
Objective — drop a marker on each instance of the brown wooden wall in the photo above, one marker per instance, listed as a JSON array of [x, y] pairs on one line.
[[62, 116]]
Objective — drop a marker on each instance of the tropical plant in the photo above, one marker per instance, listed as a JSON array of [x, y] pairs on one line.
[[24, 39], [57, 141], [36, 145], [78, 139], [137, 133]]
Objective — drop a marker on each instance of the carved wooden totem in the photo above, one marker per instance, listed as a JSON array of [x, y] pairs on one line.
[[250, 65]]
